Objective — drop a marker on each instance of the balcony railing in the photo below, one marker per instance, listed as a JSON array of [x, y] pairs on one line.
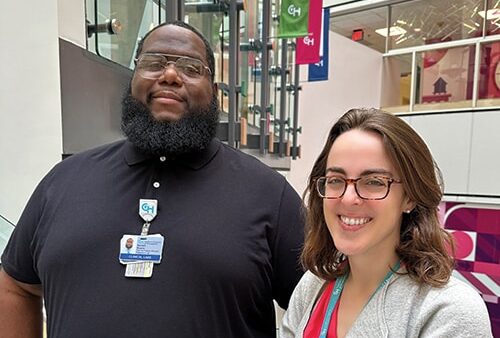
[[6, 229]]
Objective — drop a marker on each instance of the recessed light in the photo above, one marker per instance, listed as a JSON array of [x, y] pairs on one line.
[[394, 31], [491, 13]]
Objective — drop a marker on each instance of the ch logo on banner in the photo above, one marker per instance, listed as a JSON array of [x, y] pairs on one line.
[[308, 41], [148, 209], [293, 10]]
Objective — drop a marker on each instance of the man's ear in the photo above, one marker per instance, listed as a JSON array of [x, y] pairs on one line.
[[216, 89]]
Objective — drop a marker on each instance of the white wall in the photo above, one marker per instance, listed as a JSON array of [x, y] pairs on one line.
[[354, 81], [465, 146], [71, 18], [30, 108]]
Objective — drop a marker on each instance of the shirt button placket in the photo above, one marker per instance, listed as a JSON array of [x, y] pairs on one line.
[[156, 184]]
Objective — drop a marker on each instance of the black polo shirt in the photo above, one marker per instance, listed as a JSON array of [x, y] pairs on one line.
[[233, 232]]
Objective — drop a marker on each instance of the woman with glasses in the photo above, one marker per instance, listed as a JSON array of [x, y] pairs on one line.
[[378, 261]]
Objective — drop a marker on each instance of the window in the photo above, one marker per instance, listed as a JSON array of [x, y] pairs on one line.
[[425, 22]]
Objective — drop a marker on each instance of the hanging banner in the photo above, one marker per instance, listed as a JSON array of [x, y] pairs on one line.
[[294, 15], [308, 48], [319, 71]]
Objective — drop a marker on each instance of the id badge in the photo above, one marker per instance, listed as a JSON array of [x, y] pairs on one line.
[[135, 248]]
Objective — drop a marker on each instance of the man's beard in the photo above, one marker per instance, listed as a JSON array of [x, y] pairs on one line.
[[193, 132]]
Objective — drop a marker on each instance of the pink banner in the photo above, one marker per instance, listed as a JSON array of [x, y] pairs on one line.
[[308, 48]]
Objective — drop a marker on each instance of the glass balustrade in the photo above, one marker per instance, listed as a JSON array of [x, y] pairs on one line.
[[6, 229]]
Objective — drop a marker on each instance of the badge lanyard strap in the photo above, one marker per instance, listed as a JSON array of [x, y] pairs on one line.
[[145, 228], [337, 290]]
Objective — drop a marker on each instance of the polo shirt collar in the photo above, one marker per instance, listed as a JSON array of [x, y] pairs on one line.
[[194, 160]]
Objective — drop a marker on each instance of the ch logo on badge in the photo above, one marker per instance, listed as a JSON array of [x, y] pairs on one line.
[[148, 209]]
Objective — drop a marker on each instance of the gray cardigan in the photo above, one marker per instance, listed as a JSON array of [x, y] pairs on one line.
[[402, 308]]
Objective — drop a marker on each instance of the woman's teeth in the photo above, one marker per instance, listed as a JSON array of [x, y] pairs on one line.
[[354, 221]]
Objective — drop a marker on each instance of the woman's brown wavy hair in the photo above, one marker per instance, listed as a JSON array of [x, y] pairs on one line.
[[424, 246]]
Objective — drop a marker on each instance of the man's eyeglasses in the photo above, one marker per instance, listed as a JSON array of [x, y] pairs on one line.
[[367, 187], [152, 65]]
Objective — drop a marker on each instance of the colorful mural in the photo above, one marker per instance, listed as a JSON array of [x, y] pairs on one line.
[[477, 234]]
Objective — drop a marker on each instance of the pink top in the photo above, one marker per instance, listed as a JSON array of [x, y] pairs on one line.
[[313, 327]]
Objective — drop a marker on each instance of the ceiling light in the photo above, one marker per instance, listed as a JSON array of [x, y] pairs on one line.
[[469, 26], [394, 31], [491, 13], [401, 40]]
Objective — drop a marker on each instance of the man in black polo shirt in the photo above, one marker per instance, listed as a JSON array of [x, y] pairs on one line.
[[216, 234]]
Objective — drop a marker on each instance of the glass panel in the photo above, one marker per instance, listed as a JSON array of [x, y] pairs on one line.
[[492, 17], [274, 77], [362, 27], [135, 19], [210, 24], [489, 75], [6, 229], [396, 83], [426, 22], [221, 53], [250, 60], [214, 27], [446, 78], [290, 93]]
